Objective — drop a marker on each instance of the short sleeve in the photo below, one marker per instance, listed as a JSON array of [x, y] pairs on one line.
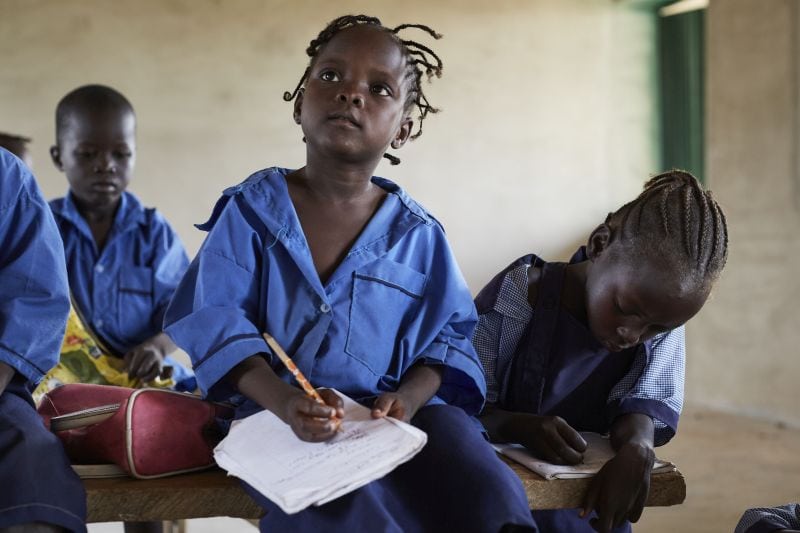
[[654, 385]]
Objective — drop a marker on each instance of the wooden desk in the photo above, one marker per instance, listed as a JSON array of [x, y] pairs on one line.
[[212, 493]]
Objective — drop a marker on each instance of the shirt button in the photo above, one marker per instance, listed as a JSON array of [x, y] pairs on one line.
[[324, 308], [99, 323], [99, 269]]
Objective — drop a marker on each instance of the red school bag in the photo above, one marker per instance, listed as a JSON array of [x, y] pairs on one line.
[[148, 433]]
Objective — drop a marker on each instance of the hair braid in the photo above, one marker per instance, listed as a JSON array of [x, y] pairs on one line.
[[419, 59], [674, 215]]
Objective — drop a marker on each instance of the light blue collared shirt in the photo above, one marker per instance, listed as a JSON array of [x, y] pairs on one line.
[[397, 298], [122, 291], [34, 296]]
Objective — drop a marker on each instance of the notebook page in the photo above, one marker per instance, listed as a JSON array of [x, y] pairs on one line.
[[264, 452], [598, 452]]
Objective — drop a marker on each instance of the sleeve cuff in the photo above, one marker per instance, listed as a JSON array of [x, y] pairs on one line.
[[654, 409]]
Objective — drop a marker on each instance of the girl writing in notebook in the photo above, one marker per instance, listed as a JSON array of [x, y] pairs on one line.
[[598, 345], [356, 281]]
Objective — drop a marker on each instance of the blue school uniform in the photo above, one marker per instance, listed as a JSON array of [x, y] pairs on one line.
[[122, 291], [39, 485], [545, 361], [396, 299]]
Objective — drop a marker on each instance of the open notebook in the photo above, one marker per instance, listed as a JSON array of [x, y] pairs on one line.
[[265, 453], [597, 453]]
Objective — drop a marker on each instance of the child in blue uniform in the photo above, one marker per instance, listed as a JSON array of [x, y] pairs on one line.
[[357, 282], [123, 260], [39, 487], [782, 519], [598, 344]]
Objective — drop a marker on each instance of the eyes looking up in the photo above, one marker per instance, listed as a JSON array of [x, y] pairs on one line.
[[329, 75]]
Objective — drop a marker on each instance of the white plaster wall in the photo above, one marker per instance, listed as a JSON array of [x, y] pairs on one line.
[[744, 344], [547, 121]]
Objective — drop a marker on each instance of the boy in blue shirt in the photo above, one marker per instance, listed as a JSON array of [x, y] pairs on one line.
[[39, 487], [123, 260]]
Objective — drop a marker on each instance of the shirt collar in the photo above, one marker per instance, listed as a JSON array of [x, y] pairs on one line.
[[129, 213]]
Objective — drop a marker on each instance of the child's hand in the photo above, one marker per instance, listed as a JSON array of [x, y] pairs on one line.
[[619, 491], [549, 438], [312, 421], [393, 404], [145, 361]]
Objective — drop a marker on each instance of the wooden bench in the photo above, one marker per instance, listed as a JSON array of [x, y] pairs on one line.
[[213, 493]]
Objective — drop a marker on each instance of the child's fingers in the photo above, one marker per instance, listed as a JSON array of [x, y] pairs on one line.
[[383, 404], [572, 438], [638, 506], [590, 499], [309, 407], [334, 400]]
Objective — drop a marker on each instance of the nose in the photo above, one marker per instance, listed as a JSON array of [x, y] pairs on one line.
[[628, 335], [352, 95], [105, 163]]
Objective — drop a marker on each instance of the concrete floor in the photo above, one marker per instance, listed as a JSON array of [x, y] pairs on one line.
[[730, 463]]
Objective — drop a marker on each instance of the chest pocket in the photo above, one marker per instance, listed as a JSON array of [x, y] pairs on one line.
[[386, 296], [135, 301]]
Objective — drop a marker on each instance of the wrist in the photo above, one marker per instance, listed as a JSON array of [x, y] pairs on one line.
[[637, 450]]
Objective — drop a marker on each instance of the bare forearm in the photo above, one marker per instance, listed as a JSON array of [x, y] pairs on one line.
[[501, 425], [633, 429], [6, 374], [254, 378], [420, 383]]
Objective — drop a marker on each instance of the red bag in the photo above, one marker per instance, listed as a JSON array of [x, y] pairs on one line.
[[149, 433]]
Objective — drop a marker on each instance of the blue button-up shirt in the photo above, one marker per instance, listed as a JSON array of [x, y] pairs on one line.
[[398, 297], [122, 290], [34, 297]]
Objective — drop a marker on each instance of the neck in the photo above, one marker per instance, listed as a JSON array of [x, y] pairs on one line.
[[337, 180], [573, 294], [96, 214]]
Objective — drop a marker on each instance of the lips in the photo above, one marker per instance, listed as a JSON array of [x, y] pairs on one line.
[[104, 186], [344, 118]]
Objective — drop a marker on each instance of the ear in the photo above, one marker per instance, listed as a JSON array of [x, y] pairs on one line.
[[298, 105], [55, 155], [403, 133], [599, 241]]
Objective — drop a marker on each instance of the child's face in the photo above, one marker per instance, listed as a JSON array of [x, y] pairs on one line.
[[97, 151], [353, 106], [628, 301]]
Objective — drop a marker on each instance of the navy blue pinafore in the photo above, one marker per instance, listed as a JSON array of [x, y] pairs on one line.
[[560, 369], [37, 483]]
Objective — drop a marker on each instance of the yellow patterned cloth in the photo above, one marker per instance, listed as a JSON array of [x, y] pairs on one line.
[[83, 361]]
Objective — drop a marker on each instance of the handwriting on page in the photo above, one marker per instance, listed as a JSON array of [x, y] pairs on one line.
[[264, 452]]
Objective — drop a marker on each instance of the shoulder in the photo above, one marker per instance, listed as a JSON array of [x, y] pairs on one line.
[[18, 183], [408, 203], [262, 192], [510, 284]]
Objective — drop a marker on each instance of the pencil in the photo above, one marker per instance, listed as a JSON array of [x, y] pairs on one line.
[[301, 379]]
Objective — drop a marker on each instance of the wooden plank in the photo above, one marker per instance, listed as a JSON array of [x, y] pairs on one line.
[[212, 493], [668, 488], [197, 495]]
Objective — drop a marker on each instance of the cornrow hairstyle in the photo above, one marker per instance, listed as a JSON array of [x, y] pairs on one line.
[[419, 59], [678, 219], [89, 97]]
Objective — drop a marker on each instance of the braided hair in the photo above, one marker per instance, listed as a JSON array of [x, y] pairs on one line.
[[419, 59], [681, 222]]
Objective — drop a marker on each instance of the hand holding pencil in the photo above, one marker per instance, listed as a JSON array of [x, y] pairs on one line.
[[315, 420]]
